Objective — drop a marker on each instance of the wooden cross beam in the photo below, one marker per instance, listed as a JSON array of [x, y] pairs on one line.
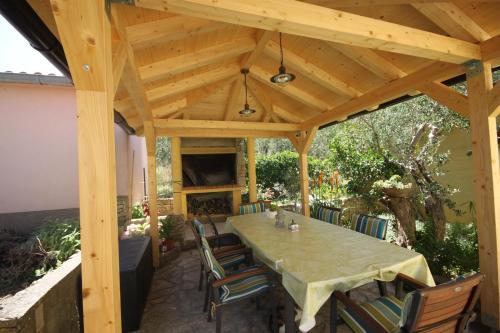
[[303, 19]]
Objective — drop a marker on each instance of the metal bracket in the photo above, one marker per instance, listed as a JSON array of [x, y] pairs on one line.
[[474, 67]]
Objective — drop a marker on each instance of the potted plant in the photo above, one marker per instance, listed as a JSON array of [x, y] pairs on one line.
[[166, 227]]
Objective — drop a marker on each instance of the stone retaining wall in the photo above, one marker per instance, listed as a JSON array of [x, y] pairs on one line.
[[51, 304], [165, 206]]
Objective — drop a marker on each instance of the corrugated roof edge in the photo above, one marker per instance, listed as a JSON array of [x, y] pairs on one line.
[[37, 79]]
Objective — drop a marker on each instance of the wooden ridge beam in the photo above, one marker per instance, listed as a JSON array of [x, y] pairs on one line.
[[131, 77], [169, 29], [247, 63], [303, 19], [224, 125], [192, 82], [262, 75], [313, 72], [370, 60], [389, 91], [172, 66], [448, 97], [217, 133], [449, 17]]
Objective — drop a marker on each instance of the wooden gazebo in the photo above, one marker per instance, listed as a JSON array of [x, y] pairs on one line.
[[172, 68]]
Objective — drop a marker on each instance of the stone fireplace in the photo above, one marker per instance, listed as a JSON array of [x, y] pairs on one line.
[[213, 174]]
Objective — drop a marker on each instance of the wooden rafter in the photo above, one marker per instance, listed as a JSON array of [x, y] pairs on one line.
[[303, 19], [197, 95], [313, 72], [449, 17], [131, 77], [265, 101], [247, 63], [389, 91], [448, 97], [364, 3], [169, 29], [192, 82], [370, 60], [286, 115], [172, 66]]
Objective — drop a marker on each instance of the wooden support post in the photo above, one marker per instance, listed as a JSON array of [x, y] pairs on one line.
[[252, 176], [149, 133], [487, 187], [302, 141], [176, 159], [304, 183], [85, 34], [236, 201]]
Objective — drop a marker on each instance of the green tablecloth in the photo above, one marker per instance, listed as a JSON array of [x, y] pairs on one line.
[[321, 258]]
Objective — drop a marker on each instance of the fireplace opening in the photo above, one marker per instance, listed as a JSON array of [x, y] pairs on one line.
[[208, 170], [211, 203]]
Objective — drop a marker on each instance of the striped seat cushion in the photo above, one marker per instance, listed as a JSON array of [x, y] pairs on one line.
[[232, 261], [244, 287], [256, 207], [329, 215], [385, 310], [369, 225], [200, 228], [215, 267]]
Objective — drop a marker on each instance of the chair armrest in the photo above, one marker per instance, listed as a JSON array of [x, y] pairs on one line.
[[227, 248], [373, 326], [228, 253], [410, 281], [243, 275]]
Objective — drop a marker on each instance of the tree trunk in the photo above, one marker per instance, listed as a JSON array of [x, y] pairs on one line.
[[405, 219], [435, 208]]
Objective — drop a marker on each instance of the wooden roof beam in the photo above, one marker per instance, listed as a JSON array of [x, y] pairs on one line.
[[389, 91], [370, 60], [169, 29], [224, 125], [448, 97], [290, 90], [217, 133], [313, 72], [131, 77], [362, 3], [449, 17], [119, 59], [265, 101], [247, 63], [192, 82], [303, 19], [172, 66]]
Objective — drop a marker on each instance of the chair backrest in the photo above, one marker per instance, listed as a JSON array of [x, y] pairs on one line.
[[331, 215], [254, 207], [212, 263], [445, 308], [369, 225]]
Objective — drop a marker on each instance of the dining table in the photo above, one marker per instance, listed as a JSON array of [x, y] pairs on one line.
[[320, 258]]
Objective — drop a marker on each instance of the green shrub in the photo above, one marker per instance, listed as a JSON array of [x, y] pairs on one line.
[[59, 239], [166, 227], [456, 255], [137, 211]]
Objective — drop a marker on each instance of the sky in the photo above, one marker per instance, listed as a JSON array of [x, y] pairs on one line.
[[17, 54]]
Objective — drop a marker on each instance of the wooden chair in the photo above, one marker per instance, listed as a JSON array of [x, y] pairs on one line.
[[231, 257], [253, 207], [331, 215], [446, 308], [226, 289]]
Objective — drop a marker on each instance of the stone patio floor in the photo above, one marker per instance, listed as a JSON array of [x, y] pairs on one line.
[[175, 305]]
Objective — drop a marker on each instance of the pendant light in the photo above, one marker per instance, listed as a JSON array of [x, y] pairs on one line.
[[282, 76], [247, 111]]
